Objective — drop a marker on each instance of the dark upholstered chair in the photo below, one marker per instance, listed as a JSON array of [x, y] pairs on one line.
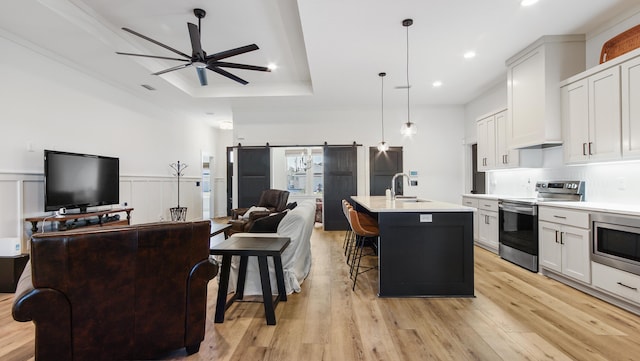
[[118, 293], [275, 200]]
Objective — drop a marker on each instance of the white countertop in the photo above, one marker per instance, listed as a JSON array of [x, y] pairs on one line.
[[491, 196], [626, 209], [382, 204]]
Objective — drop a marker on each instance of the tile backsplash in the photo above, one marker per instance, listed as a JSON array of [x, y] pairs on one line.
[[617, 182]]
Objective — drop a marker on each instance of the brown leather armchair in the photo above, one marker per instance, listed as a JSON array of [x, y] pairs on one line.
[[275, 200], [117, 293]]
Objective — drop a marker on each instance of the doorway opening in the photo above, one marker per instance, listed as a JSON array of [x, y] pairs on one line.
[[207, 194]]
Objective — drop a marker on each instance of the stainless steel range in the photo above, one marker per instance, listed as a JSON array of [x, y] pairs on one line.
[[518, 220]]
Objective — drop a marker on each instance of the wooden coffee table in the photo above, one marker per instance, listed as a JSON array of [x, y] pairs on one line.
[[261, 247]]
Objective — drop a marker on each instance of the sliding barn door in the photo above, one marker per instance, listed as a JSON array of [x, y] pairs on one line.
[[340, 182], [382, 167], [254, 174]]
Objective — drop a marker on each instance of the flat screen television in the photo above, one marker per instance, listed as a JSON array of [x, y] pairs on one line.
[[73, 180]]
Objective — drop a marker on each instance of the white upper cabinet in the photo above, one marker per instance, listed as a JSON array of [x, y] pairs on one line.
[[575, 115], [591, 114], [533, 95], [494, 150], [486, 129], [631, 108], [604, 116], [601, 111]]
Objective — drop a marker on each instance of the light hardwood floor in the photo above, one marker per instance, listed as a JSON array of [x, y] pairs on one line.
[[516, 315]]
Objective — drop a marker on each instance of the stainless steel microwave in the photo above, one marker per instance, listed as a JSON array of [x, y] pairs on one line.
[[616, 241]]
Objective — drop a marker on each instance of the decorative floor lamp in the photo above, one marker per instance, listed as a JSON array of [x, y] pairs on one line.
[[178, 214]]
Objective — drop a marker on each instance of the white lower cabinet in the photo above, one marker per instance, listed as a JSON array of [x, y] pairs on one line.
[[565, 249], [617, 282], [564, 239], [473, 202], [488, 231]]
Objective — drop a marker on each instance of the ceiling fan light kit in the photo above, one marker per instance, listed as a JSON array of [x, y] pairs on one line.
[[408, 128], [382, 146], [199, 58]]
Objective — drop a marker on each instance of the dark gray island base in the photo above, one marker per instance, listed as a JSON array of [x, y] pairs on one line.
[[425, 248]]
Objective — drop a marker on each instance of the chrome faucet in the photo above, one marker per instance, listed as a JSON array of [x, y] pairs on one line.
[[393, 183]]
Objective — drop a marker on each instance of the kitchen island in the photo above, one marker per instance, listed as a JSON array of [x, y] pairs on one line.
[[425, 247]]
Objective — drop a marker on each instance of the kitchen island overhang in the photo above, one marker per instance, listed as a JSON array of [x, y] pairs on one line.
[[425, 247]]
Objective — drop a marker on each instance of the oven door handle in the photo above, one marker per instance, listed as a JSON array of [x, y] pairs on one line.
[[517, 209]]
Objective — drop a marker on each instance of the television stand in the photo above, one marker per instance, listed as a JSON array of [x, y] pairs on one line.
[[104, 218]]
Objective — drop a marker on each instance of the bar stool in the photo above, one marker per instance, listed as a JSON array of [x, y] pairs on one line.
[[365, 228], [348, 236]]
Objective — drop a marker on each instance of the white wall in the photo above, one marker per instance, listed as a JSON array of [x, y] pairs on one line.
[[494, 99], [436, 152], [47, 105], [609, 30]]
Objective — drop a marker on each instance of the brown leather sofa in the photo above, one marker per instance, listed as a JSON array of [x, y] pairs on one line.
[[275, 200], [118, 293]]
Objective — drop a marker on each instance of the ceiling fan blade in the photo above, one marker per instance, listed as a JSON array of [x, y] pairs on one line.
[[152, 56], [202, 75], [233, 52], [171, 69], [157, 42], [194, 35], [240, 66], [228, 75]]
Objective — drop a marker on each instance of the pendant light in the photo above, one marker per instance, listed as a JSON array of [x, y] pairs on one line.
[[409, 128], [382, 146]]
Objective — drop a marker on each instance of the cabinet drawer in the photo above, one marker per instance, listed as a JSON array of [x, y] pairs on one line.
[[564, 216], [470, 202], [488, 204], [621, 283]]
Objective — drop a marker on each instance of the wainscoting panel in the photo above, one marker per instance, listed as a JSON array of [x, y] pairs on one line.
[[10, 209], [23, 196]]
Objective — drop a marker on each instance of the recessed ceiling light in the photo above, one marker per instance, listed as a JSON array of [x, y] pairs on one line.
[[437, 84], [469, 55], [226, 125], [272, 66], [528, 2]]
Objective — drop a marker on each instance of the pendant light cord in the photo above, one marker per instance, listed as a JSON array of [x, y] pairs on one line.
[[382, 103], [408, 86]]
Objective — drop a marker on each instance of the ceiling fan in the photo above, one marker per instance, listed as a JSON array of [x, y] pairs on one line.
[[199, 58]]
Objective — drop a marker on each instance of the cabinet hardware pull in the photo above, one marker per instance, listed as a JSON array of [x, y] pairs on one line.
[[561, 240], [506, 159], [556, 236], [590, 148], [561, 217], [629, 287], [584, 148]]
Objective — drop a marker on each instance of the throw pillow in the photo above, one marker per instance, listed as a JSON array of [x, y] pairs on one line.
[[267, 224], [247, 214]]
